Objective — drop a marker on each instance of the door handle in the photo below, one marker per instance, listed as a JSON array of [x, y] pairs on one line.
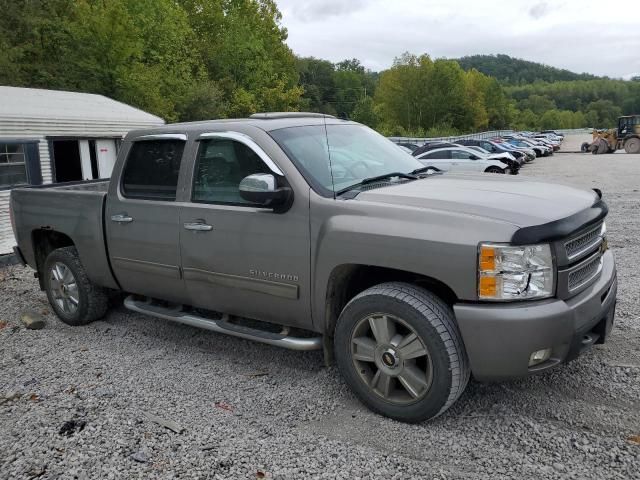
[[198, 226], [121, 218]]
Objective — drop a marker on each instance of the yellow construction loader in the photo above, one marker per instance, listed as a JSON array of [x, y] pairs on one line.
[[626, 136]]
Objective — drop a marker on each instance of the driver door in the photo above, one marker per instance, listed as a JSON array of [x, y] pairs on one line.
[[240, 258], [464, 161]]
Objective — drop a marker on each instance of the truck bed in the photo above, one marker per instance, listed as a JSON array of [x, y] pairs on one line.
[[73, 209]]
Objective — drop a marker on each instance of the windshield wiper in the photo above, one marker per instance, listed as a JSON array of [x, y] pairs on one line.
[[369, 180], [423, 169]]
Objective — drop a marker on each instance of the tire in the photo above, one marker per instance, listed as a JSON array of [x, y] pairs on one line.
[[75, 300], [494, 170], [632, 145], [584, 148], [603, 147], [437, 378]]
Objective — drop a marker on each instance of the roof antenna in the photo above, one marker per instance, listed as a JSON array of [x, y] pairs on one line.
[[326, 136]]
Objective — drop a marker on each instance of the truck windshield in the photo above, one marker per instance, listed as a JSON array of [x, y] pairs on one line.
[[335, 157]]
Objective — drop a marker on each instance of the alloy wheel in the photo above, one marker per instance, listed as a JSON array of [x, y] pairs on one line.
[[391, 359], [64, 288]]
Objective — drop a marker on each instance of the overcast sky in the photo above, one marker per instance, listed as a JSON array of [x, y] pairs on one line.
[[592, 36]]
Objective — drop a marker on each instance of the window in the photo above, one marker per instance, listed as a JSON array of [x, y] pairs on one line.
[[152, 170], [337, 156], [13, 165], [460, 155], [221, 166], [445, 154]]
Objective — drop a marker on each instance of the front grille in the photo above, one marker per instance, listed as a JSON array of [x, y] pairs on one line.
[[583, 243], [585, 273]]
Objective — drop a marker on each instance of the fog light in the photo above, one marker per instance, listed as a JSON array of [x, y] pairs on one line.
[[539, 356]]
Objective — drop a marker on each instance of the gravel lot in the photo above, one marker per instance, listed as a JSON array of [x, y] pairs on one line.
[[250, 411]]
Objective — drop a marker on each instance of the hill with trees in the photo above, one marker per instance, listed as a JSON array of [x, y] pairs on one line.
[[515, 71], [201, 59]]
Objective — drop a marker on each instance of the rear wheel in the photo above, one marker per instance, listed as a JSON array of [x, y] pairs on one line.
[[399, 349], [632, 145], [494, 170], [584, 148], [71, 294]]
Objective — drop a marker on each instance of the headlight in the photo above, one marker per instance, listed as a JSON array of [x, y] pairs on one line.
[[508, 272]]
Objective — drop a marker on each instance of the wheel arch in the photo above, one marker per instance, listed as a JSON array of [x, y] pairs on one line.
[[348, 280], [44, 242]]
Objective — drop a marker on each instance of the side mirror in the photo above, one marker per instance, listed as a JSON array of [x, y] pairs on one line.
[[262, 189], [473, 157]]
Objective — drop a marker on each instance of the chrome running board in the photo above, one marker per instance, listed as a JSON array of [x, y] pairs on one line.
[[223, 325]]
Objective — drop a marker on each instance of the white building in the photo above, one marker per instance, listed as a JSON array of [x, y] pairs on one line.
[[50, 136]]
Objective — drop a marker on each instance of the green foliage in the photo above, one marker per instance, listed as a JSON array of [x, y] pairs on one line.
[[365, 112], [418, 93], [515, 71], [198, 59], [241, 44], [336, 89], [318, 83], [180, 59]]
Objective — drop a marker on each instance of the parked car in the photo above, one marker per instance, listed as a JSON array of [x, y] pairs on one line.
[[431, 146], [547, 149], [557, 134], [552, 137], [462, 159], [540, 150], [547, 141], [506, 157], [327, 236], [410, 146], [491, 146], [528, 154]]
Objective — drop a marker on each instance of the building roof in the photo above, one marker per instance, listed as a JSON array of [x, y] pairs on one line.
[[37, 104]]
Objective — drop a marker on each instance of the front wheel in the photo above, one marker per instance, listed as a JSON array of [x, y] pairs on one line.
[[74, 298], [399, 349], [632, 145], [494, 170]]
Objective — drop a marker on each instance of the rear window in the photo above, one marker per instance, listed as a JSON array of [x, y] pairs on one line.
[[152, 169]]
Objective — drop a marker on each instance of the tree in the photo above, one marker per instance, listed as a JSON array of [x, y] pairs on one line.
[[134, 51], [241, 44], [318, 83], [365, 112], [602, 114], [538, 104]]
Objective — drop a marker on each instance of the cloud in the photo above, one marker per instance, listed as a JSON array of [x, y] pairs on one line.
[[539, 10], [573, 33], [316, 10]]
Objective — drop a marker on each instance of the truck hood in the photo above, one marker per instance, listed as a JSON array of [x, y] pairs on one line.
[[520, 202]]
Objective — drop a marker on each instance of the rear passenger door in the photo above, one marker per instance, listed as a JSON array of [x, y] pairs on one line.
[[237, 257], [142, 218]]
